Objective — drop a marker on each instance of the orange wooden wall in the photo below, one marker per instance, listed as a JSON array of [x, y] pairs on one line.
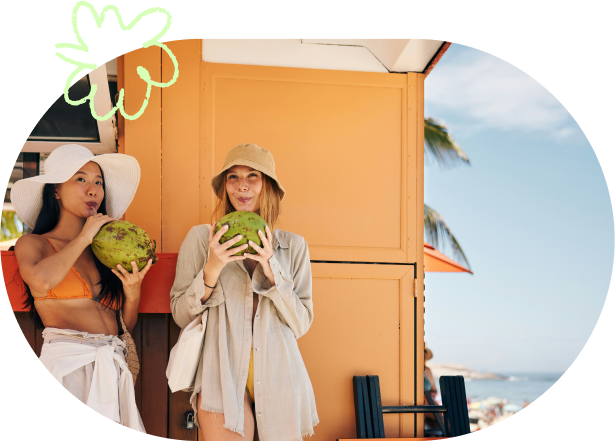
[[349, 150]]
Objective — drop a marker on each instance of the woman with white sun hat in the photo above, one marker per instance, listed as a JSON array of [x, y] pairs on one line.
[[70, 292]]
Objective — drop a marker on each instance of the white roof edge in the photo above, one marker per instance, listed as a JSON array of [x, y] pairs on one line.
[[354, 55]]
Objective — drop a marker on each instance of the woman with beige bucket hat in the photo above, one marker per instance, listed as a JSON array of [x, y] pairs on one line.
[[70, 292], [251, 382]]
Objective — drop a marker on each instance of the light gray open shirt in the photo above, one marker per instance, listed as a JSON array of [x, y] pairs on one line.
[[283, 394]]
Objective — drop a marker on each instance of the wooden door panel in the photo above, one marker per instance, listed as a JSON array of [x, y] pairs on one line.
[[320, 136], [339, 142], [179, 402], [363, 325], [142, 139], [154, 388], [180, 144]]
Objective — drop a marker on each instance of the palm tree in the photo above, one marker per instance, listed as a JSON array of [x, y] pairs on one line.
[[441, 148], [11, 226]]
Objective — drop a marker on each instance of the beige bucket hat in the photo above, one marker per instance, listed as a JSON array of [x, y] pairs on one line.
[[122, 175], [249, 155]]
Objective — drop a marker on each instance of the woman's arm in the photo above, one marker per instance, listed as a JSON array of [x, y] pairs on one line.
[[131, 283], [189, 287], [210, 278], [291, 294], [44, 273], [429, 376], [130, 312], [218, 256]]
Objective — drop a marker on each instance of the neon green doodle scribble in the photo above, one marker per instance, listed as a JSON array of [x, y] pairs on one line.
[[143, 73]]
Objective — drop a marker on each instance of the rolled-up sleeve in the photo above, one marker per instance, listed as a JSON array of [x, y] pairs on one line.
[[188, 287], [292, 293]]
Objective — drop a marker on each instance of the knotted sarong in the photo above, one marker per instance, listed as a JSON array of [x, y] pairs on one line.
[[93, 368]]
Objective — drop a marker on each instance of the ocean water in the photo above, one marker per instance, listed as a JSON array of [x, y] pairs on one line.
[[517, 388]]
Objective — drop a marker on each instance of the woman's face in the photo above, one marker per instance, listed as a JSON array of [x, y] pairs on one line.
[[243, 186], [82, 194]]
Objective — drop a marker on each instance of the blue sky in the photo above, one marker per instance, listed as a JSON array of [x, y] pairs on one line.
[[532, 214]]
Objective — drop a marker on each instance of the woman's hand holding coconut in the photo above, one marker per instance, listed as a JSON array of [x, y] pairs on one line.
[[132, 289], [92, 226], [264, 253], [219, 255], [132, 281]]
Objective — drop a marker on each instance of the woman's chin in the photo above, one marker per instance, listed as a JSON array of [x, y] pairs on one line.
[[245, 207]]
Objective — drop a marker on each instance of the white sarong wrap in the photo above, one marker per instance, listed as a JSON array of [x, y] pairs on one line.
[[109, 395]]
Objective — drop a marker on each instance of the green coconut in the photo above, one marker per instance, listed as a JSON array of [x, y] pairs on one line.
[[122, 242], [245, 223]]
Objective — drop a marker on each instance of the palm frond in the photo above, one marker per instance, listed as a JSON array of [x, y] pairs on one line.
[[440, 146], [436, 231]]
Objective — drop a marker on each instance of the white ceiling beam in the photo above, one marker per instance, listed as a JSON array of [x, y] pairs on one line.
[[290, 53], [395, 55]]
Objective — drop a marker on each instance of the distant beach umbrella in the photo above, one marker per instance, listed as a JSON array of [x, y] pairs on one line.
[[511, 407], [492, 401]]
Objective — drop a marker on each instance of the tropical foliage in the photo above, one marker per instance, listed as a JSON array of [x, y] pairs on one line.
[[11, 226], [440, 146], [442, 149]]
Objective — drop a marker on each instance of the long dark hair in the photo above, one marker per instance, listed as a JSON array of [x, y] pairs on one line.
[[111, 288]]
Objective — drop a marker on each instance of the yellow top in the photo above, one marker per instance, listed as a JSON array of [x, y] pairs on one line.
[[250, 383]]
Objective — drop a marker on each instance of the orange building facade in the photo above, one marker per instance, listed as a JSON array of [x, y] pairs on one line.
[[348, 147]]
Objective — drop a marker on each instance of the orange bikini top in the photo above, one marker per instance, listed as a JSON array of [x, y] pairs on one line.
[[72, 287]]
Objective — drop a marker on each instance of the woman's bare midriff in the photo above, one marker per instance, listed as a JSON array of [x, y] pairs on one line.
[[85, 315]]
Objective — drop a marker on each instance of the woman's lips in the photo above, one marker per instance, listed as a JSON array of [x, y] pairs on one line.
[[91, 204], [244, 200]]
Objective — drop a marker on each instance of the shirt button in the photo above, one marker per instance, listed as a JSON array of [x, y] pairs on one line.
[[257, 316], [259, 414], [256, 349], [258, 381]]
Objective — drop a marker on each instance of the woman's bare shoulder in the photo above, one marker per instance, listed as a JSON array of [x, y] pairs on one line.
[[30, 247], [28, 241]]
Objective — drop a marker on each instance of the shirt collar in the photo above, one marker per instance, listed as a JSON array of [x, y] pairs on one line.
[[278, 240]]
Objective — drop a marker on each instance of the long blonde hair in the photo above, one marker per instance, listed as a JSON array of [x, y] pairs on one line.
[[269, 202]]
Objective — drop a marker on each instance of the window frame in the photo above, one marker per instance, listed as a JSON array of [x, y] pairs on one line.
[[107, 130]]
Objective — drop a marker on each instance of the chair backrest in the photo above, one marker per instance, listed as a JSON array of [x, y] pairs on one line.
[[369, 409], [453, 391]]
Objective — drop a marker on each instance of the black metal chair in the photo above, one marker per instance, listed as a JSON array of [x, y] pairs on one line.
[[369, 409]]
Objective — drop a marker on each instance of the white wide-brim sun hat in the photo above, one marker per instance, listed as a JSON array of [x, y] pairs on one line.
[[121, 177]]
